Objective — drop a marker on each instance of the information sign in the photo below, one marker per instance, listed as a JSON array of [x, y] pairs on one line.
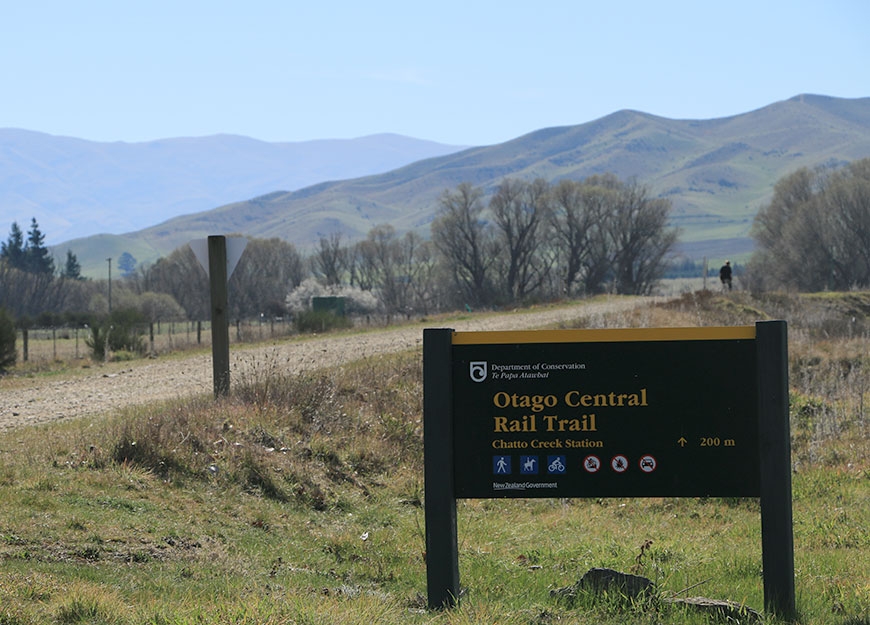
[[665, 412], [603, 413]]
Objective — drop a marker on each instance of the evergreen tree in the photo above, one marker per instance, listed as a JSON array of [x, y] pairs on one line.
[[127, 263], [72, 270], [12, 250], [38, 258]]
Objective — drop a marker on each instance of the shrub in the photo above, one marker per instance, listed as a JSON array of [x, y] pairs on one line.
[[8, 352], [121, 332]]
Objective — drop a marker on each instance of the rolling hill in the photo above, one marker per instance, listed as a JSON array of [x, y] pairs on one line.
[[717, 173]]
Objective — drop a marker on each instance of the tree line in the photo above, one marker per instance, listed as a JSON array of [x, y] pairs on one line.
[[531, 241], [519, 242], [535, 240], [29, 283]]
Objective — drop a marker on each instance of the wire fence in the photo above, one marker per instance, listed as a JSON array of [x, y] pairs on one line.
[[39, 345]]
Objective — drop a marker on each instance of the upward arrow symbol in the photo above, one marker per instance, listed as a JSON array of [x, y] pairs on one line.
[[682, 441]]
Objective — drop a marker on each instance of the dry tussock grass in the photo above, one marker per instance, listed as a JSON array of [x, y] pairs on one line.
[[294, 437], [308, 439]]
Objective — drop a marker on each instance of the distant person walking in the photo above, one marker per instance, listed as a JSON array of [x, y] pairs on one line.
[[725, 275]]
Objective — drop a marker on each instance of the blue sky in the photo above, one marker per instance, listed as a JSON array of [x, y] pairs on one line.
[[465, 73]]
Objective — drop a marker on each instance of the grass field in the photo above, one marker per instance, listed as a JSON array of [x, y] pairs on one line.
[[299, 499]]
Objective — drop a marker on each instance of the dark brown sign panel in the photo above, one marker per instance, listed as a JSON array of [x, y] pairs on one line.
[[606, 413]]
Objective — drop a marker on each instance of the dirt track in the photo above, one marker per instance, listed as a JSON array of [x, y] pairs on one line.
[[102, 389]]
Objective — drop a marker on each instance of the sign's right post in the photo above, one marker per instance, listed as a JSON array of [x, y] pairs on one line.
[[777, 539]]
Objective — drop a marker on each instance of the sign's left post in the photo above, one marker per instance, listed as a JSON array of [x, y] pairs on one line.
[[442, 553], [220, 325]]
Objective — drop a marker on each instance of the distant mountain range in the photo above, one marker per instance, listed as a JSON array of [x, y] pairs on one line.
[[76, 188], [717, 173]]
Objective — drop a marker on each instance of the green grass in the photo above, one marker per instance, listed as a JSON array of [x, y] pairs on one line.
[[299, 499]]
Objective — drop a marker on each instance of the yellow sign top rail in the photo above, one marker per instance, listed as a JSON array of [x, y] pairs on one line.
[[611, 335]]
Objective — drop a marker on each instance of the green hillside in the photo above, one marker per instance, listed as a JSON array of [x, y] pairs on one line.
[[717, 173]]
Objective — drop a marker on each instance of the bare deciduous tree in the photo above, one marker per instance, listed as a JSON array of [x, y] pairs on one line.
[[579, 223], [520, 213], [815, 233], [398, 269], [466, 243], [419, 260], [26, 294], [330, 262], [267, 271], [779, 245], [181, 276], [641, 239]]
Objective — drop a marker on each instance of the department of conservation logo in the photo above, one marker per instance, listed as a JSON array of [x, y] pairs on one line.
[[477, 370]]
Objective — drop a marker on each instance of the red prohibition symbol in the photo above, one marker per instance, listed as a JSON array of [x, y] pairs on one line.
[[591, 464], [647, 463], [619, 464]]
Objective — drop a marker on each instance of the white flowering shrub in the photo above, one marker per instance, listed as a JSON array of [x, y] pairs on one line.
[[357, 301]]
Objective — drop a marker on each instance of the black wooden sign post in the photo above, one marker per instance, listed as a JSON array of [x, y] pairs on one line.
[[442, 559], [668, 412], [777, 537]]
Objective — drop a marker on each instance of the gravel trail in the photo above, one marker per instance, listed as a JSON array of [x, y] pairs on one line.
[[105, 388]]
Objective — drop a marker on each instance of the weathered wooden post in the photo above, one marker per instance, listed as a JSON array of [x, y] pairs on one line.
[[219, 257], [220, 338]]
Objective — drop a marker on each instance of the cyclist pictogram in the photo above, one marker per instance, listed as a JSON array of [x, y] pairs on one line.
[[555, 464]]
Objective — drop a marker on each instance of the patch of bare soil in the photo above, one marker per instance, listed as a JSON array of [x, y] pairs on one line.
[[103, 389]]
